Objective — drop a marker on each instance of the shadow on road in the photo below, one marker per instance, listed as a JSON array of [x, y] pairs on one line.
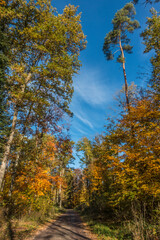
[[67, 227]]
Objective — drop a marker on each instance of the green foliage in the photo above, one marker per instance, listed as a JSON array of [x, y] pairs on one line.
[[151, 38], [117, 41], [123, 23], [45, 47]]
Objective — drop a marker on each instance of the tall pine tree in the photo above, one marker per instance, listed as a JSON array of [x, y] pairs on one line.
[[123, 23]]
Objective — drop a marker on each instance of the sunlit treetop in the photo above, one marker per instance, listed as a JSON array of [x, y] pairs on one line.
[[123, 23]]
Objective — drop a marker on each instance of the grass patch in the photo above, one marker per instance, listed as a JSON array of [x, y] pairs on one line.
[[106, 229], [102, 230]]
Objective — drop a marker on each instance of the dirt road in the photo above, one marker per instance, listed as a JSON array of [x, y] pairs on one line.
[[67, 227]]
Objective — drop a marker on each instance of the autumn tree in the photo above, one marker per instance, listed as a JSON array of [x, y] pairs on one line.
[[35, 181], [45, 50], [117, 40], [91, 187]]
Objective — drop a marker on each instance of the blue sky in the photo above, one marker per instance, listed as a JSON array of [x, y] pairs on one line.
[[99, 80]]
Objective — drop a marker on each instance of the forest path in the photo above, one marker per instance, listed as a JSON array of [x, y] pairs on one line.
[[67, 227]]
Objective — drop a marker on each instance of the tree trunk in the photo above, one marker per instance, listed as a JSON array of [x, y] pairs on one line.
[[60, 192], [8, 147], [10, 139], [16, 163], [125, 77], [60, 188], [60, 196]]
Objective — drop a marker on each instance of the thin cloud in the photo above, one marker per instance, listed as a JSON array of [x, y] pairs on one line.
[[84, 120], [81, 131], [92, 88]]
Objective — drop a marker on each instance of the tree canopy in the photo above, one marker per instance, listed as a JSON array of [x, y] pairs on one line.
[[45, 47]]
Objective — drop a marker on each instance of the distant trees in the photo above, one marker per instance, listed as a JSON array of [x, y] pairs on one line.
[[117, 40]]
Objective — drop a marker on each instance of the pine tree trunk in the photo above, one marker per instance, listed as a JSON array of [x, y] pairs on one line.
[[126, 87], [125, 77]]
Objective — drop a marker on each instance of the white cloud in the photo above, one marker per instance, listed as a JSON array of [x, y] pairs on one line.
[[92, 88], [93, 92]]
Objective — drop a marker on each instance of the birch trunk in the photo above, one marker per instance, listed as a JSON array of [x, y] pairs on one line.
[[16, 163], [7, 149], [60, 188], [10, 139], [60, 193]]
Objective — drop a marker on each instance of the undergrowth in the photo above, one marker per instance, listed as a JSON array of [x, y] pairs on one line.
[[22, 227], [108, 230], [111, 228]]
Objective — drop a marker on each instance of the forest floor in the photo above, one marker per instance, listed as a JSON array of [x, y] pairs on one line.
[[21, 228], [68, 226]]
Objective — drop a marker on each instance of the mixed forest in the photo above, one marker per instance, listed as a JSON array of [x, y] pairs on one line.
[[119, 182]]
